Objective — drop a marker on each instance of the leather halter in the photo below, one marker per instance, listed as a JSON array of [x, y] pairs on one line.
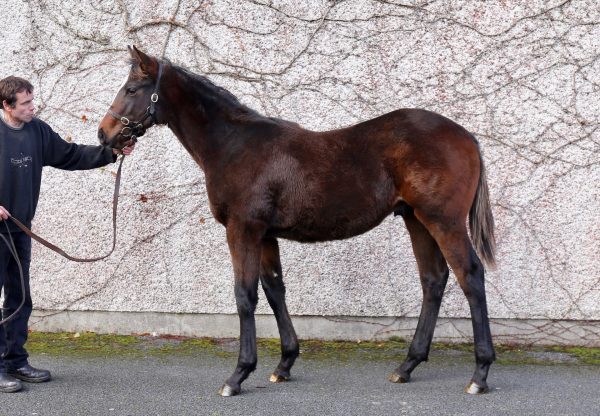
[[135, 129]]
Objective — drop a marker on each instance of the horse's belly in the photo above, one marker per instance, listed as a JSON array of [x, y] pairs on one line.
[[334, 206], [324, 225], [317, 235]]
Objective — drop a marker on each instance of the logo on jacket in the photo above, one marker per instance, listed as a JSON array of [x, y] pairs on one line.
[[23, 162]]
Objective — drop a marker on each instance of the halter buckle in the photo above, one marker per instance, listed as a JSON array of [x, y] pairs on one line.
[[126, 131], [125, 121], [154, 97]]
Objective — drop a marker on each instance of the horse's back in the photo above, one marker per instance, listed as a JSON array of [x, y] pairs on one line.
[[356, 176]]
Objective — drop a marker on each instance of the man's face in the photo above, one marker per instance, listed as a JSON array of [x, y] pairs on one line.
[[23, 110]]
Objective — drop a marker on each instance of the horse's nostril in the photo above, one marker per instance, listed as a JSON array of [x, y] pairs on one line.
[[101, 136]]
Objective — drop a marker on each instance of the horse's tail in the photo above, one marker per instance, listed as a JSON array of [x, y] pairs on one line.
[[481, 220]]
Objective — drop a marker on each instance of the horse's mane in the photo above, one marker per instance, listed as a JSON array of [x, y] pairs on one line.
[[207, 84], [206, 91]]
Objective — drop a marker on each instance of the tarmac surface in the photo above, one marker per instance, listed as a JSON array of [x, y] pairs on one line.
[[187, 384]]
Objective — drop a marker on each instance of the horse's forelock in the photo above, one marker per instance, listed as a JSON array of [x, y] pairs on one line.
[[136, 72]]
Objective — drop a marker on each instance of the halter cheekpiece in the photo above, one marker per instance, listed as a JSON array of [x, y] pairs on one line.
[[135, 129]]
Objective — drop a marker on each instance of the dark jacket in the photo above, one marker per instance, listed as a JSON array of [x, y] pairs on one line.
[[23, 154]]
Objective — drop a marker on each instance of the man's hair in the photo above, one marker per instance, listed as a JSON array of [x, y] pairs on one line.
[[10, 86]]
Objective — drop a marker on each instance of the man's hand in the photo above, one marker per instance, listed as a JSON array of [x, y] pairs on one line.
[[4, 215], [125, 151]]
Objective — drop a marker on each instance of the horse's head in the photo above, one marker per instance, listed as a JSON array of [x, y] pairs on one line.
[[134, 108]]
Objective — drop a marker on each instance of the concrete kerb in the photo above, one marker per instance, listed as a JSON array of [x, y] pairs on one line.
[[329, 328]]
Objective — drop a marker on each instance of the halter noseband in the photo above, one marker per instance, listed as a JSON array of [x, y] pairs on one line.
[[135, 129]]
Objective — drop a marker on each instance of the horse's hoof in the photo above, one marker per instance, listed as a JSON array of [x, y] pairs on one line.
[[276, 378], [228, 391], [395, 378], [474, 388]]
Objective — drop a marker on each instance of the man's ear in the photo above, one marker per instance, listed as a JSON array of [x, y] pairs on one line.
[[6, 106], [147, 64]]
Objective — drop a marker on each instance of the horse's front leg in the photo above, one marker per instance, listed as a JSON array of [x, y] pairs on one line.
[[245, 247], [271, 277]]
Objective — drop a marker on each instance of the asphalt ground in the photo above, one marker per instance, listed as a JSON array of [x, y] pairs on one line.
[[174, 377]]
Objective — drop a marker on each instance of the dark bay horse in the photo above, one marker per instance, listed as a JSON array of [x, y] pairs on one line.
[[268, 178]]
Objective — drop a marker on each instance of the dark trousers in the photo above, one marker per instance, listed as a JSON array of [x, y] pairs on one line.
[[13, 334]]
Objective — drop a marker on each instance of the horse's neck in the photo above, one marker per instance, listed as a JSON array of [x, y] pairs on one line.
[[209, 127], [193, 139], [207, 137]]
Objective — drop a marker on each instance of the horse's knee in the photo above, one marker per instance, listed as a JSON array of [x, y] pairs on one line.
[[273, 286], [246, 300]]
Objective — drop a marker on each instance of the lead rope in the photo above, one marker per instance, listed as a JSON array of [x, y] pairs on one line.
[[13, 250], [61, 251], [11, 245]]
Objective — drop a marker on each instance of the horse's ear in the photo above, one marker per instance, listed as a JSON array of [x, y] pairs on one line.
[[147, 64]]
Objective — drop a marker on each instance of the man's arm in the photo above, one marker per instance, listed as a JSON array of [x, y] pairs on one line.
[[61, 154]]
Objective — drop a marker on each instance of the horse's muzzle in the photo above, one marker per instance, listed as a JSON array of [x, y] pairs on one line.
[[102, 137], [126, 137]]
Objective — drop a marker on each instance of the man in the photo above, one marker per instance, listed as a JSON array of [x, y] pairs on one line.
[[26, 145]]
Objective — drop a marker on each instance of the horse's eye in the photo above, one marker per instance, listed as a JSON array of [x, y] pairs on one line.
[[130, 91]]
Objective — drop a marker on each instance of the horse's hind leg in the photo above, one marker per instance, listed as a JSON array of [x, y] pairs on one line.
[[271, 279], [453, 240], [433, 272]]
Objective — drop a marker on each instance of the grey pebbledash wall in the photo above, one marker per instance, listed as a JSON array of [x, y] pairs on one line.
[[523, 76]]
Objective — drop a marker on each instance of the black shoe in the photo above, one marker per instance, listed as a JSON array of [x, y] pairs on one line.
[[29, 374], [9, 384]]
